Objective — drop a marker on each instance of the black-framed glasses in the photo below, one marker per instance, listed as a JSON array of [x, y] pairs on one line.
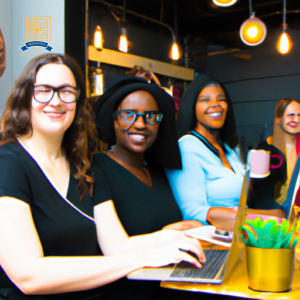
[[44, 93], [128, 116]]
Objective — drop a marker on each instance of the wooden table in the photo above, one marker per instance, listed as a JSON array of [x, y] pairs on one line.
[[237, 284]]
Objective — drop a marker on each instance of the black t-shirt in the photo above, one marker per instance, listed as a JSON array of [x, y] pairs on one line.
[[64, 228], [141, 209]]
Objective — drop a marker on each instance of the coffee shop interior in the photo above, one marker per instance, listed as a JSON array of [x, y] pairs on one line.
[[252, 48], [208, 34]]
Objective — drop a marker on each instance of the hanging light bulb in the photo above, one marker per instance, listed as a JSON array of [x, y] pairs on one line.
[[99, 79], [224, 2], [284, 43], [98, 38], [96, 81], [253, 31], [175, 52], [123, 42]]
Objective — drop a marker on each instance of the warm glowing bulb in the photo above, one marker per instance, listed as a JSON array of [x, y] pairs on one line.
[[98, 38], [253, 31], [284, 43], [175, 54], [123, 43], [224, 2]]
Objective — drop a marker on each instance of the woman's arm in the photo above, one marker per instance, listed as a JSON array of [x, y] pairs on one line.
[[22, 258], [222, 217], [267, 212], [183, 225], [113, 238]]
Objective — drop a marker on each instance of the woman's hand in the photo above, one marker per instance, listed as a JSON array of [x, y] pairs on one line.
[[183, 225], [173, 248]]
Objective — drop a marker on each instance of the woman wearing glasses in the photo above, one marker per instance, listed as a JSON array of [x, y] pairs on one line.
[[49, 246], [138, 119]]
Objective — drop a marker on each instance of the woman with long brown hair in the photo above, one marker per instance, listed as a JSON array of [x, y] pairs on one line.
[[49, 244]]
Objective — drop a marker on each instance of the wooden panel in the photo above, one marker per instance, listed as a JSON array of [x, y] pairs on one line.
[[129, 61]]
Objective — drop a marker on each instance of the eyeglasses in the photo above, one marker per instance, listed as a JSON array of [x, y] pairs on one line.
[[44, 93], [151, 117]]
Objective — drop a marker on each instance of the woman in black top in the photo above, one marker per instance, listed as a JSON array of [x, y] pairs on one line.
[[48, 236], [138, 119], [131, 189]]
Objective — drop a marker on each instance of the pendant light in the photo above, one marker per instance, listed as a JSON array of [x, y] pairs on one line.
[[98, 38], [175, 53], [253, 31], [284, 44], [123, 41], [224, 2], [98, 79]]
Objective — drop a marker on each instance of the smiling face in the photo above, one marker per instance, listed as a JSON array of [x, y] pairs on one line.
[[2, 54], [140, 135], [54, 117], [290, 121], [211, 107]]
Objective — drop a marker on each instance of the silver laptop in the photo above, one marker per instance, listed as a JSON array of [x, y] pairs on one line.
[[219, 263]]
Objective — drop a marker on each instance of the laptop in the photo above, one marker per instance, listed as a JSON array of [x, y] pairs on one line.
[[219, 263]]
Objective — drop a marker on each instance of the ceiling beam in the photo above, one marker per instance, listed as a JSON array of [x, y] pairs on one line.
[[127, 60]]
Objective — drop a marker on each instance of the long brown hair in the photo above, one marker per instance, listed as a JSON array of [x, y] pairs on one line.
[[278, 133], [80, 140]]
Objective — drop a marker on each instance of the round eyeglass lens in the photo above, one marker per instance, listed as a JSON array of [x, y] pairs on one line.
[[42, 93], [68, 94], [127, 116], [153, 118]]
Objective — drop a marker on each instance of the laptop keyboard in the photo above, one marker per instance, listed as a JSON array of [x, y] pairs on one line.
[[214, 262]]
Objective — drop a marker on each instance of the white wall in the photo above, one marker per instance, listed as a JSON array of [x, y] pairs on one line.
[[11, 23]]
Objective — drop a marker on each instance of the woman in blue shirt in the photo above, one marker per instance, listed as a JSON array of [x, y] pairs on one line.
[[208, 187]]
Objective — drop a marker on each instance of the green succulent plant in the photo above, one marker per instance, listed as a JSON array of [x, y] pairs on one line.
[[269, 233]]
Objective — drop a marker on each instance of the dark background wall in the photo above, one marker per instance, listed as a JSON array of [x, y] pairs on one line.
[[255, 84]]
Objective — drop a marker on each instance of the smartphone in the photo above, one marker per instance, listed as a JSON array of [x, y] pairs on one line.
[[221, 235]]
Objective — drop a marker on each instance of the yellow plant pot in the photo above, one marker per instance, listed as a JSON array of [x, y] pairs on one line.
[[270, 270]]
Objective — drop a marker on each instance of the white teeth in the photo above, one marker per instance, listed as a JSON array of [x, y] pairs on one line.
[[138, 137], [216, 114]]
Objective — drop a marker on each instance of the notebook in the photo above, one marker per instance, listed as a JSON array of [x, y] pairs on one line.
[[219, 263]]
